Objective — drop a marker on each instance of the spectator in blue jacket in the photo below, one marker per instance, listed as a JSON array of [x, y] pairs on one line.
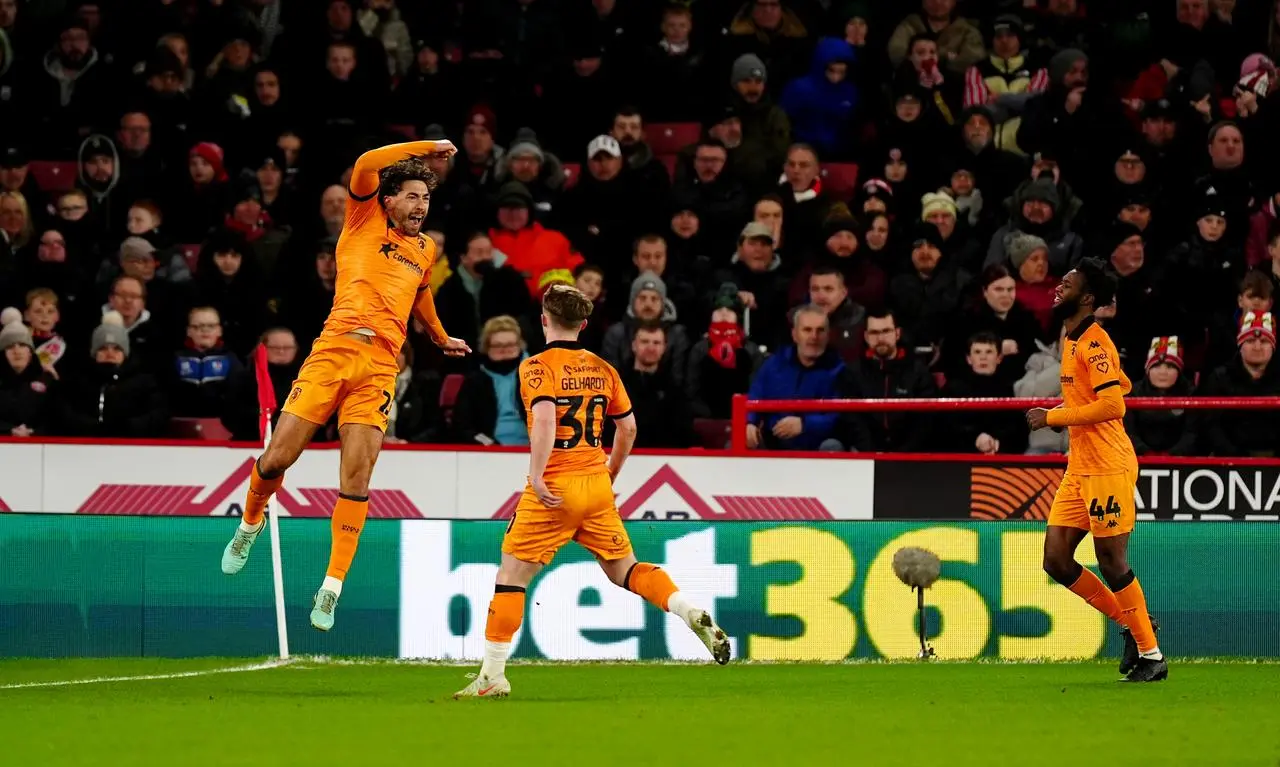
[[202, 368], [822, 104], [807, 370]]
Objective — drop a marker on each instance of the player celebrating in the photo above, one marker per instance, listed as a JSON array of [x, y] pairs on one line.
[[568, 393], [1097, 493], [384, 263]]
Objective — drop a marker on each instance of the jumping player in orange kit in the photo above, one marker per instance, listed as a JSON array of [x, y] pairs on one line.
[[384, 263]]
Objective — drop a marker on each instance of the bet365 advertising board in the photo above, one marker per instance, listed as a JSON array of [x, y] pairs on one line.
[[88, 585]]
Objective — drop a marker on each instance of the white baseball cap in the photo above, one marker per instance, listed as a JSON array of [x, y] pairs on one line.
[[606, 144]]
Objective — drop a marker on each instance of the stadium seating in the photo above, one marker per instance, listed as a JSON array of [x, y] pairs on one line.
[[713, 433], [669, 138], [54, 176], [571, 172], [449, 389], [840, 179]]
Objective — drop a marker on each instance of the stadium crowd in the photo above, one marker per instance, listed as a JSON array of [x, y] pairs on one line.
[[172, 182]]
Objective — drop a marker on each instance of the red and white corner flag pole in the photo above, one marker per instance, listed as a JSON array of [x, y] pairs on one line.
[[267, 406]]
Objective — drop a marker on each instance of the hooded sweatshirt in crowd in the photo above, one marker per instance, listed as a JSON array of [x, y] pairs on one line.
[[820, 110]]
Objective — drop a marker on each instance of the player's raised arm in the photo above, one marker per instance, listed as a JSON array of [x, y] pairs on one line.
[[364, 178]]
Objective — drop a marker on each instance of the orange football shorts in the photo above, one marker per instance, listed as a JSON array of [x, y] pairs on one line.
[[341, 373], [1103, 504], [587, 515]]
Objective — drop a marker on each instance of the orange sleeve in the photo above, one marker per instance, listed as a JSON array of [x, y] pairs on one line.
[[619, 400], [535, 383], [364, 178], [1109, 406]]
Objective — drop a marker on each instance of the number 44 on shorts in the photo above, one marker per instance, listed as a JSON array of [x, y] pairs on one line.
[[1099, 511]]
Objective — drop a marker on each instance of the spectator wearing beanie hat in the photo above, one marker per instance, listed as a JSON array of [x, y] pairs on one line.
[[939, 209], [1203, 273], [843, 245], [766, 131], [114, 397], [722, 362], [541, 172], [26, 388], [1164, 432], [476, 165], [1037, 210], [1251, 373], [648, 303], [530, 248], [927, 295], [1029, 263], [72, 89], [204, 196]]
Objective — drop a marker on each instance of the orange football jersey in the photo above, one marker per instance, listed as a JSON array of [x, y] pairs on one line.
[[586, 390], [1091, 365], [380, 270]]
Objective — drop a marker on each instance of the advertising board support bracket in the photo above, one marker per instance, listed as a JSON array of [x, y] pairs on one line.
[[926, 651]]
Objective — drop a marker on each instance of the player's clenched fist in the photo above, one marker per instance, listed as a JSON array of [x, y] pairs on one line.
[[444, 147], [1037, 418]]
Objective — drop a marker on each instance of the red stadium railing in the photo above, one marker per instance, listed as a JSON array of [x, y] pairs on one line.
[[743, 406]]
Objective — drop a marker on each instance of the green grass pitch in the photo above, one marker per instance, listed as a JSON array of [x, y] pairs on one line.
[[317, 712]]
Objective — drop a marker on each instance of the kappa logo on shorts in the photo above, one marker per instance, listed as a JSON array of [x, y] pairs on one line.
[[293, 395], [997, 493]]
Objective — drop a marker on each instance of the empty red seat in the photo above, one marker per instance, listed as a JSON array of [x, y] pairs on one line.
[[840, 179], [571, 172], [190, 254], [713, 433], [54, 176], [449, 389], [669, 138]]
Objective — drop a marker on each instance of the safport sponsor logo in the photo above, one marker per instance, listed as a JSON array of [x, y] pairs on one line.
[[666, 495], [1012, 493]]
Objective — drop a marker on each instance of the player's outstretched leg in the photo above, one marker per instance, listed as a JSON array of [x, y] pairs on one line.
[[657, 588], [292, 435], [360, 447]]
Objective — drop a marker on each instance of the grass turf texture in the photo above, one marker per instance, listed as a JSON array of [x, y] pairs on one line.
[[394, 713]]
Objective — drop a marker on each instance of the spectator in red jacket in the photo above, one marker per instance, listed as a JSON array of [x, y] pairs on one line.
[[531, 249]]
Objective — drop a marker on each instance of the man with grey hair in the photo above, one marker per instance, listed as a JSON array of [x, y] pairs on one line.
[[806, 369]]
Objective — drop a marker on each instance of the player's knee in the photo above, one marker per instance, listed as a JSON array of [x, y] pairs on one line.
[[1115, 568], [1061, 567]]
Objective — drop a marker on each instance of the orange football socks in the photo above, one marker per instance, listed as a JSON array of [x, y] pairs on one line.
[[506, 612], [1091, 589], [348, 520], [260, 491], [1133, 608], [650, 582]]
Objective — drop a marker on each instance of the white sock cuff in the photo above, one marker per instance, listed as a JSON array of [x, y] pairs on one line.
[[332, 584]]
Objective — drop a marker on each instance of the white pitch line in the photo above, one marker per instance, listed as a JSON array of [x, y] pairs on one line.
[[149, 677]]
